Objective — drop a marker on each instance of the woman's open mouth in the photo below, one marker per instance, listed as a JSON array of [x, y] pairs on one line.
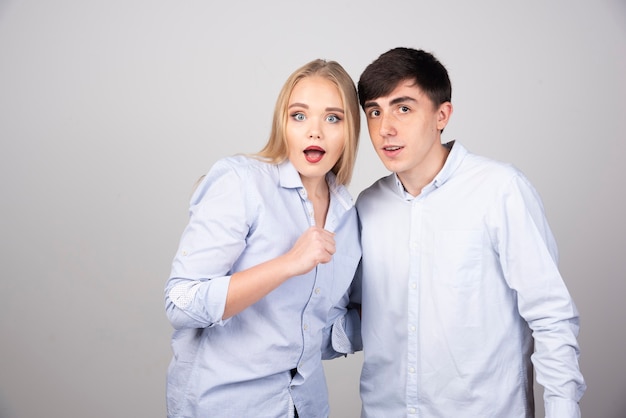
[[314, 154]]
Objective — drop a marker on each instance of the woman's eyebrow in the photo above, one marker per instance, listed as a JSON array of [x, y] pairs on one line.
[[328, 109], [298, 105]]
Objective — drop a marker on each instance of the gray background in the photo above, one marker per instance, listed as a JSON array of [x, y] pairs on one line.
[[110, 110]]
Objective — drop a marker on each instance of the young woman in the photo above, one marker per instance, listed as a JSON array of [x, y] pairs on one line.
[[260, 286]]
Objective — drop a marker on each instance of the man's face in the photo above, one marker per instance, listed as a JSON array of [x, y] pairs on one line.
[[405, 129]]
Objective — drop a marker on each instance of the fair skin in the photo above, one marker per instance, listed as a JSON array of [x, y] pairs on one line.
[[405, 130], [315, 140]]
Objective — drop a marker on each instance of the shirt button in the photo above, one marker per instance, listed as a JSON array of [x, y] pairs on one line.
[[305, 327], [413, 285], [411, 370], [184, 252], [411, 410], [412, 328], [317, 291]]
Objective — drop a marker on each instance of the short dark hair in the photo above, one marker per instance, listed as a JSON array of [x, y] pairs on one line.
[[400, 64]]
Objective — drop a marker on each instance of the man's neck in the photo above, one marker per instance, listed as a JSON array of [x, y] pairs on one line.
[[415, 180]]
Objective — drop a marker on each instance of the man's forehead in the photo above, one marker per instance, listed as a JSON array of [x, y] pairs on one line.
[[406, 90]]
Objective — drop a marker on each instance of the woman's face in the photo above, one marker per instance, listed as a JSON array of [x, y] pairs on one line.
[[315, 127]]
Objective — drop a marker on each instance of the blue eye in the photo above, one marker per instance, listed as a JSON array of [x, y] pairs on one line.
[[298, 116], [333, 118]]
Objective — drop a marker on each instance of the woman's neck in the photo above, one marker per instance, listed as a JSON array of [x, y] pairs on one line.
[[318, 193]]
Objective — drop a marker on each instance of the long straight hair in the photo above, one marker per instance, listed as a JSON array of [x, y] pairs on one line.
[[275, 151]]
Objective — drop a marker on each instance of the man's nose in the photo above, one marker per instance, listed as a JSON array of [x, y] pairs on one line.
[[386, 127]]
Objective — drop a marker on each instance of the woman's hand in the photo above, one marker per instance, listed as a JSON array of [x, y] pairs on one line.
[[316, 245]]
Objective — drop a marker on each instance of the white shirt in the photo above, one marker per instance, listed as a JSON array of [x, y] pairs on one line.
[[456, 282], [245, 212]]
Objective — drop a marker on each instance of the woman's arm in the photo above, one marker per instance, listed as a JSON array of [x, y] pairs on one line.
[[246, 287]]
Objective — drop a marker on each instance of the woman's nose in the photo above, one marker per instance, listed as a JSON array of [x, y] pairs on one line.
[[314, 131]]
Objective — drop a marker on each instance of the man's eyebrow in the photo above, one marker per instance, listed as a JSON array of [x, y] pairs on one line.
[[395, 101], [402, 99]]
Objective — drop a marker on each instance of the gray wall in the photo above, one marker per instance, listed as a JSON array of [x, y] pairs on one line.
[[110, 110]]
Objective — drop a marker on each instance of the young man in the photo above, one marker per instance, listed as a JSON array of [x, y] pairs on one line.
[[460, 284]]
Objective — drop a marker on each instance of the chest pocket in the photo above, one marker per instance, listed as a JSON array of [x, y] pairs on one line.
[[458, 258]]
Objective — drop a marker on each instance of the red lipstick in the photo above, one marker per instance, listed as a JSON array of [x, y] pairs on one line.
[[314, 154]]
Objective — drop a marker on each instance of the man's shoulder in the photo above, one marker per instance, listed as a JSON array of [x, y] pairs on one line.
[[379, 186], [487, 168], [382, 192]]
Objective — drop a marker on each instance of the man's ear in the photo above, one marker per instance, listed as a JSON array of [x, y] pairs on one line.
[[443, 115]]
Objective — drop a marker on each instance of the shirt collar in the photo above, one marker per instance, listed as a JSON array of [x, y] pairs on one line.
[[455, 157], [289, 178]]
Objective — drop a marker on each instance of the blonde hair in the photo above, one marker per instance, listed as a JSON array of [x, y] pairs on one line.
[[275, 151]]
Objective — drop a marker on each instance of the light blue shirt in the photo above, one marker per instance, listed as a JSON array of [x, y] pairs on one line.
[[458, 283], [245, 212]]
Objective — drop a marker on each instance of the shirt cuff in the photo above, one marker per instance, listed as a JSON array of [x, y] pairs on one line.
[[562, 408], [214, 300], [346, 334]]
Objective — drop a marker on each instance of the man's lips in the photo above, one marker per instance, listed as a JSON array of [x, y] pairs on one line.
[[314, 154], [392, 150]]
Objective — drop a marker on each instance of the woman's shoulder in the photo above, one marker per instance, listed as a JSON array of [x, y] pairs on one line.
[[237, 172], [243, 164], [246, 172]]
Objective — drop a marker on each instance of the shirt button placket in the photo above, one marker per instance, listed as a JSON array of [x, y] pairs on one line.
[[414, 268]]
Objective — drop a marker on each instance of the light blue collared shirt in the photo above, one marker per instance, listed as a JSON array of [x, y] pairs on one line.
[[243, 213], [458, 283]]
